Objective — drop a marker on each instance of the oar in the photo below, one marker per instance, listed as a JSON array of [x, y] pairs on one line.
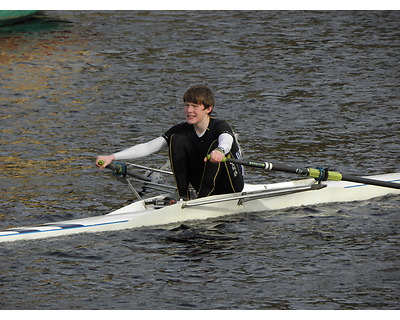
[[318, 173], [120, 169]]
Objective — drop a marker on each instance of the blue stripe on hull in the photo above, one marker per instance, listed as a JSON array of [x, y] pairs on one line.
[[61, 227], [362, 185]]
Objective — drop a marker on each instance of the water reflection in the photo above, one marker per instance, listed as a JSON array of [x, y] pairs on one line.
[[41, 108]]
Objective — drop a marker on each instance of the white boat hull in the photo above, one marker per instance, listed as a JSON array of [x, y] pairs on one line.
[[254, 198]]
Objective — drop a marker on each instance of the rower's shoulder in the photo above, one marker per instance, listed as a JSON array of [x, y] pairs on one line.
[[218, 122]]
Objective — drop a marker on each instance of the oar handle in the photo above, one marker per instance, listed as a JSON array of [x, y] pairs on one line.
[[100, 163]]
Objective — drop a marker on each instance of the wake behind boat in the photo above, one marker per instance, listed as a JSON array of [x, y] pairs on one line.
[[167, 209]]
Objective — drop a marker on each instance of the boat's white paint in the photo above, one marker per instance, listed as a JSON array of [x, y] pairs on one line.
[[138, 214]]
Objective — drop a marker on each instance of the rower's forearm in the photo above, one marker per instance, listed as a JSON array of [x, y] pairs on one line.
[[225, 141], [142, 150]]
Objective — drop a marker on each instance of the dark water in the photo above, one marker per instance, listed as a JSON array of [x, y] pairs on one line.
[[302, 88]]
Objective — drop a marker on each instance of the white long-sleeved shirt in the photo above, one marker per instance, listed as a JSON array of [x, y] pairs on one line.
[[225, 141]]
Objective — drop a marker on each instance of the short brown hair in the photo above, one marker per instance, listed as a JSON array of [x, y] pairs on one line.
[[201, 95]]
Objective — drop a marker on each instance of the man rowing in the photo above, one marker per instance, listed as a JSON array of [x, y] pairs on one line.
[[196, 149]]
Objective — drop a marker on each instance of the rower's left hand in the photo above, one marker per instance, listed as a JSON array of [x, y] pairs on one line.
[[215, 156]]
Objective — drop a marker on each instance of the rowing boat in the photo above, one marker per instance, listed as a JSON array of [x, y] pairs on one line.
[[165, 210]]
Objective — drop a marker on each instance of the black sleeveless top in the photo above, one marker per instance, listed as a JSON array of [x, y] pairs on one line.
[[202, 144]]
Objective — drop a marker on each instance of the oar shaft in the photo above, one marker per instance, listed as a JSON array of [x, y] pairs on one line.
[[380, 183], [314, 173], [121, 169], [268, 166]]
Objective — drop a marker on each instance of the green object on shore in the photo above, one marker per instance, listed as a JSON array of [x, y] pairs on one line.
[[13, 16]]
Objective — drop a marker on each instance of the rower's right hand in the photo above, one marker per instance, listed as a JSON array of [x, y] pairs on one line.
[[106, 160]]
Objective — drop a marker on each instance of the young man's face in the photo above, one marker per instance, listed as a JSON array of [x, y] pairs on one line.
[[196, 113]]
